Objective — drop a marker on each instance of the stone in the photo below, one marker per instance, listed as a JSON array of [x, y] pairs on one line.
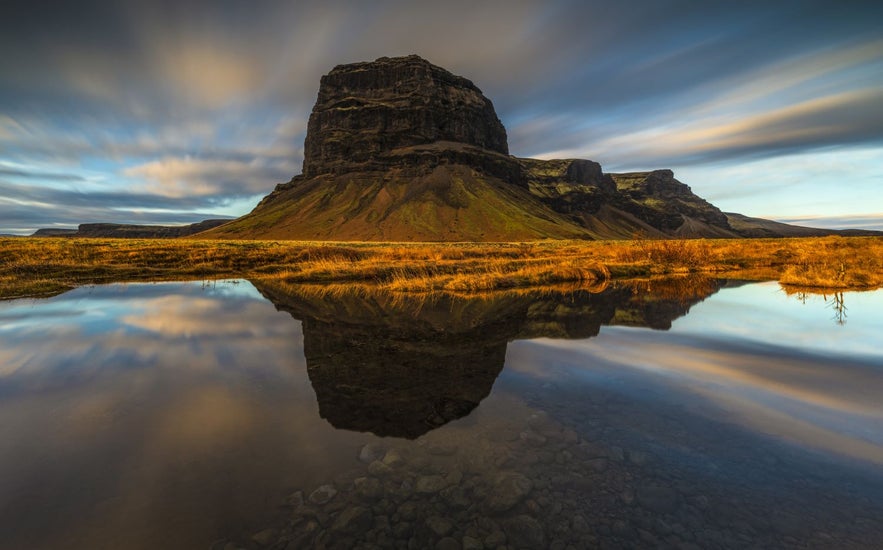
[[408, 511], [402, 530], [495, 539], [379, 469], [323, 494], [265, 537], [439, 526], [295, 499], [532, 438], [454, 477], [509, 489], [370, 452], [470, 543], [442, 449], [456, 498], [658, 498], [523, 531], [368, 488], [430, 484], [353, 521], [638, 457], [616, 453], [447, 543], [579, 524], [393, 459]]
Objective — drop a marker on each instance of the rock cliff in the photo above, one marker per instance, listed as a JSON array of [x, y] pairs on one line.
[[399, 149], [367, 115]]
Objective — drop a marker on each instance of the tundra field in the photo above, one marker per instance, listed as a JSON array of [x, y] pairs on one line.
[[36, 266]]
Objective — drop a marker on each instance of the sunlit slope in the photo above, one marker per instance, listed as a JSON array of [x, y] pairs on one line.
[[451, 203]]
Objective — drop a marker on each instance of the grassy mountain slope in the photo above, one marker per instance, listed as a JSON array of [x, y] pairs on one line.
[[451, 203]]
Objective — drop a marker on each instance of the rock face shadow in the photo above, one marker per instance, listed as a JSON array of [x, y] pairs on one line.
[[402, 365]]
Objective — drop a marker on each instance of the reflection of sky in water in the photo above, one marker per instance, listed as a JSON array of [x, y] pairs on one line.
[[189, 407], [749, 355], [764, 313], [128, 407]]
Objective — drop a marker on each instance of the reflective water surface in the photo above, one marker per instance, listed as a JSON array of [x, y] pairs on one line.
[[685, 414]]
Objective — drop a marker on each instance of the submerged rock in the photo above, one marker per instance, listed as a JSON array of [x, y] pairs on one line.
[[323, 494], [509, 489]]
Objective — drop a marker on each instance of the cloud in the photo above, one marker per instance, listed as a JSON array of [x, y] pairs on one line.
[[198, 97], [839, 119], [865, 221], [37, 175], [178, 177], [25, 208]]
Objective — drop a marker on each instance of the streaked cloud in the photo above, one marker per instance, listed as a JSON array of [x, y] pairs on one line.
[[166, 96], [193, 177]]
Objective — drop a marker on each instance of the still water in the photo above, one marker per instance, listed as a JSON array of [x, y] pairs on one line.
[[682, 414]]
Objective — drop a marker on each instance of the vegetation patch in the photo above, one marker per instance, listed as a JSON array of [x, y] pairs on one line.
[[32, 266]]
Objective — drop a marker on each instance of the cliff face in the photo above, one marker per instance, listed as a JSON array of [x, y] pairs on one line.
[[399, 149], [367, 111]]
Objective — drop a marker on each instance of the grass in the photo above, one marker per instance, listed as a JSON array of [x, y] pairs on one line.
[[31, 266]]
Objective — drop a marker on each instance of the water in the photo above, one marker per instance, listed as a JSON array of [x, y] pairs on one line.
[[685, 414]]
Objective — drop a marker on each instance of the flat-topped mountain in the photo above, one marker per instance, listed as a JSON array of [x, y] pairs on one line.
[[399, 149]]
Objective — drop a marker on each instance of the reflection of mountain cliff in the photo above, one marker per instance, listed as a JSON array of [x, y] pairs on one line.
[[400, 365]]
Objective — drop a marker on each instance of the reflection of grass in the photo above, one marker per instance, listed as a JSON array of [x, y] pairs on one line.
[[39, 266]]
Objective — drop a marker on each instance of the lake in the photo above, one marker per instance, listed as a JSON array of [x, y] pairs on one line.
[[688, 413]]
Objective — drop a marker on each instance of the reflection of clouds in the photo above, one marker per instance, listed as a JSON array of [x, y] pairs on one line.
[[816, 401], [754, 355], [151, 325], [156, 405]]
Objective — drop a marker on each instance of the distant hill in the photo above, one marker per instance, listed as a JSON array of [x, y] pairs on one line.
[[759, 227], [116, 230]]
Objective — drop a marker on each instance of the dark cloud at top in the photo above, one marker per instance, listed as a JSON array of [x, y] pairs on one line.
[[175, 95]]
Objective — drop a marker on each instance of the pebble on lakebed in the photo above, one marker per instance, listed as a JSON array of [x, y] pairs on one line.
[[552, 486]]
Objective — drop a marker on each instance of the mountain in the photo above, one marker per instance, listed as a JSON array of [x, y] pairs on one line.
[[399, 149], [116, 230]]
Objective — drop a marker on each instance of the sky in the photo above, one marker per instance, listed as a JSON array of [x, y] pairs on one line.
[[174, 112]]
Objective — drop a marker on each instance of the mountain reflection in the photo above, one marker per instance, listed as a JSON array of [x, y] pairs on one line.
[[401, 365]]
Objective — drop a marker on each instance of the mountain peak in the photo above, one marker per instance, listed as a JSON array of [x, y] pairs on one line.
[[370, 109]]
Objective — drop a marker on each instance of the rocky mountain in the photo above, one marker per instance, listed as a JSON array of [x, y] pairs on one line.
[[120, 231], [399, 149]]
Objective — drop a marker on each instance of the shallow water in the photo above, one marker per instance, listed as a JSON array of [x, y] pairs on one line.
[[685, 414]]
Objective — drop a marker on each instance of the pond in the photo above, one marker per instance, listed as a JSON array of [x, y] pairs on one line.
[[690, 413]]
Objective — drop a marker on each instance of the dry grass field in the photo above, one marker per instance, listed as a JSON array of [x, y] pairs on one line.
[[32, 266]]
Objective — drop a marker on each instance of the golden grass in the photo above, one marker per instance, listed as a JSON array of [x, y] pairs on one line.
[[31, 266]]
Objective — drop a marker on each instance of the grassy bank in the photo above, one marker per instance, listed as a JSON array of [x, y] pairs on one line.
[[30, 266]]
